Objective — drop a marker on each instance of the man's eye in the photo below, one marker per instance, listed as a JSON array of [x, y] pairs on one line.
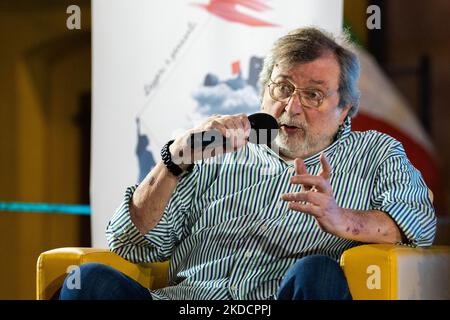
[[314, 95], [284, 89]]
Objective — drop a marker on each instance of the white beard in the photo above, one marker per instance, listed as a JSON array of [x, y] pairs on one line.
[[293, 147], [301, 145]]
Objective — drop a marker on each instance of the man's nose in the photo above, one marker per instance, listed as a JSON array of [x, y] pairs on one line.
[[294, 105]]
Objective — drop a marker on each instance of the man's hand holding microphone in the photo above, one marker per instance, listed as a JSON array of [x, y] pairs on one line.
[[218, 134]]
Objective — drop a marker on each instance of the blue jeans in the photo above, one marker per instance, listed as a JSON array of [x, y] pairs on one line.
[[314, 277], [101, 282], [310, 278]]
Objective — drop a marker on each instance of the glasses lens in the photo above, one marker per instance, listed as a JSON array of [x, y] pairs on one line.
[[311, 98], [281, 91]]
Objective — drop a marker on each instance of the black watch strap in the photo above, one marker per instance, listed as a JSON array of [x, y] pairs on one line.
[[167, 159]]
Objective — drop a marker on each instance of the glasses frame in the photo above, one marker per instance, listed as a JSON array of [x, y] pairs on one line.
[[300, 95]]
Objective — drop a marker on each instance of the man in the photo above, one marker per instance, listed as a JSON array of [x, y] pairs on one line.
[[258, 224]]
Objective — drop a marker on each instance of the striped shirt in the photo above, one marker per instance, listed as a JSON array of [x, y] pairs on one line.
[[229, 236]]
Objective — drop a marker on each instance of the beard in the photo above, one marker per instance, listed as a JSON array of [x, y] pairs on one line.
[[303, 143]]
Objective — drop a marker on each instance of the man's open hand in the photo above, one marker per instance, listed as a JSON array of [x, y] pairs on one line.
[[316, 197]]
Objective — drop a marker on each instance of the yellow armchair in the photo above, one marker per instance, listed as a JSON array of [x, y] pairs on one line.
[[375, 271]]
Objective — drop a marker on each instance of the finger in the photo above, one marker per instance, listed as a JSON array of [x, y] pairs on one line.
[[245, 123], [305, 208], [236, 128], [314, 198], [241, 138], [326, 167], [223, 122], [244, 128], [217, 125], [319, 182], [300, 167]]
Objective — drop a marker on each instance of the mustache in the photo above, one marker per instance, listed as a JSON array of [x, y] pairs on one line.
[[284, 120]]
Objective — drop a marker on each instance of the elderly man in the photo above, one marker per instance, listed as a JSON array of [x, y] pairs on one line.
[[270, 223]]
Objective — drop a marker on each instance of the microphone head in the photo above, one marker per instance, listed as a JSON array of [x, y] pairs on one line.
[[264, 128]]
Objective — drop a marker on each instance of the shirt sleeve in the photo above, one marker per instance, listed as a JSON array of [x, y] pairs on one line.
[[159, 243], [401, 192]]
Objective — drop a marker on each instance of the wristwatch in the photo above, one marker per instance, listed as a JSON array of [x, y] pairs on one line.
[[167, 159]]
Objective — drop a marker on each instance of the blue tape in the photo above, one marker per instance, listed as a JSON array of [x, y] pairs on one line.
[[46, 208]]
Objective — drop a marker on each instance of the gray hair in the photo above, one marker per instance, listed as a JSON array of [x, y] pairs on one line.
[[307, 44]]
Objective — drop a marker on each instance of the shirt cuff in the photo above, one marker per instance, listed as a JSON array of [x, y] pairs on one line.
[[124, 230], [406, 220], [121, 225]]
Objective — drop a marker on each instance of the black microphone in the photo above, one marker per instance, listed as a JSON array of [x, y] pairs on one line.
[[264, 129]]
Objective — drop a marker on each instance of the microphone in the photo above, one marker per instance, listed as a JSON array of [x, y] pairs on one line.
[[264, 129]]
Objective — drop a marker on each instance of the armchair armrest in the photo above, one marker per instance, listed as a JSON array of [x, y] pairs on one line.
[[52, 268], [379, 271], [373, 271]]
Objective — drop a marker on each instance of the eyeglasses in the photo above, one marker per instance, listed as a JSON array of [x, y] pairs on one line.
[[282, 91]]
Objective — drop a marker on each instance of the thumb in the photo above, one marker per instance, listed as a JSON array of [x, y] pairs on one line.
[[300, 167]]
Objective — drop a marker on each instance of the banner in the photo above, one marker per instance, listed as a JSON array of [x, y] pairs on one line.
[[160, 67]]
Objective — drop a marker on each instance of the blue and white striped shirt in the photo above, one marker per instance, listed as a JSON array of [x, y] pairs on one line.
[[228, 234]]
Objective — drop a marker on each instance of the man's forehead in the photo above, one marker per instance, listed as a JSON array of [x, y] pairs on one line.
[[287, 74], [317, 72]]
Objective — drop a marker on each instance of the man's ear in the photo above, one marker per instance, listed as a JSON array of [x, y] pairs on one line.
[[344, 112]]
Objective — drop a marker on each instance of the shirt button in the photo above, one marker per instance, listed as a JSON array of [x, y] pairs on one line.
[[233, 288], [264, 227], [248, 254]]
